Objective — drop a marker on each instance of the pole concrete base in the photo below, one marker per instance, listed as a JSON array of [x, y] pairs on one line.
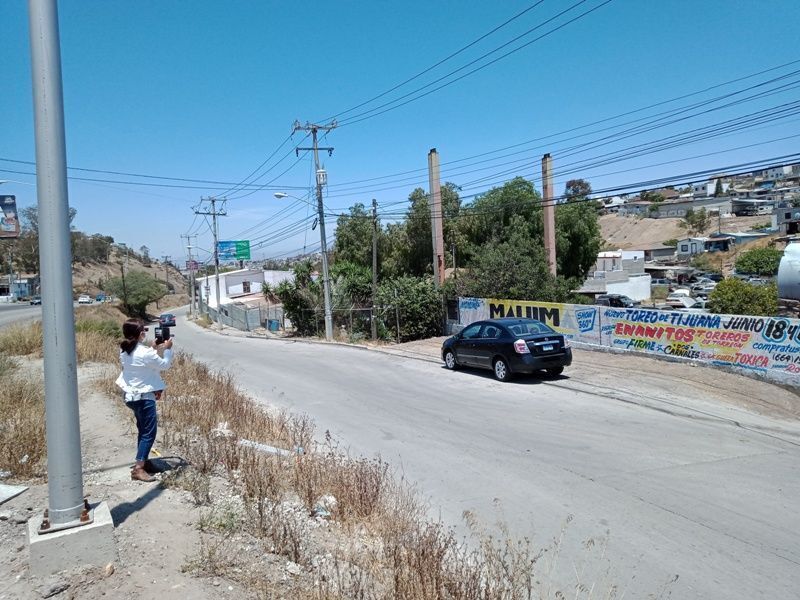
[[87, 545]]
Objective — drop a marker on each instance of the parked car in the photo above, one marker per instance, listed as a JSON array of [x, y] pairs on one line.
[[758, 281], [508, 347], [84, 299], [615, 300], [100, 298], [659, 282], [36, 300], [167, 320]]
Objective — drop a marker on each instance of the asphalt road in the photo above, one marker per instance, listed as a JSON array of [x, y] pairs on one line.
[[676, 487], [15, 313]]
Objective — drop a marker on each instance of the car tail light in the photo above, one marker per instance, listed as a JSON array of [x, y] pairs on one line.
[[520, 347], [567, 343]]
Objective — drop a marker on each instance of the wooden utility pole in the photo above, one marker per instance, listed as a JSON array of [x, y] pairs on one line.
[[373, 318], [436, 217], [548, 204], [166, 260]]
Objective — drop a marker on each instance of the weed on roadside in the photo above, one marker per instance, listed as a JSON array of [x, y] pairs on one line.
[[22, 427]]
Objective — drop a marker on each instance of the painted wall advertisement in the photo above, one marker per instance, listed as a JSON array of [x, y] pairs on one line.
[[768, 345]]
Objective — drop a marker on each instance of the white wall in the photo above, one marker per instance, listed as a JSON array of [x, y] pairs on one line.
[[636, 287]]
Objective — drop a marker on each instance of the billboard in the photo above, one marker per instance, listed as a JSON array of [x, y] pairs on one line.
[[9, 222], [191, 265], [234, 250]]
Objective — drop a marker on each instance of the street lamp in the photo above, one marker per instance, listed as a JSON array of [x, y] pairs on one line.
[[326, 287]]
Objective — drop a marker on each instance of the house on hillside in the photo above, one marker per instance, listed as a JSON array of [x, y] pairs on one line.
[[708, 188], [786, 220], [235, 285], [618, 272], [655, 252], [691, 246]]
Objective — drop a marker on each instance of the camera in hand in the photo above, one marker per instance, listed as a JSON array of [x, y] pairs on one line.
[[162, 334]]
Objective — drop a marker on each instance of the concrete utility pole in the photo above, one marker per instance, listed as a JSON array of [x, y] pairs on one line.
[[214, 214], [51, 548], [189, 248], [321, 181], [548, 202], [436, 217], [374, 320]]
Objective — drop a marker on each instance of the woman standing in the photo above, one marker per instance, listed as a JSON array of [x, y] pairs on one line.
[[141, 382]]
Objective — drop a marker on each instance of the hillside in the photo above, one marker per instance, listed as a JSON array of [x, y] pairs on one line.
[[630, 233], [87, 278]]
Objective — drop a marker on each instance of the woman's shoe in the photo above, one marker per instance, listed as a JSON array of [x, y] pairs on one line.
[[139, 474]]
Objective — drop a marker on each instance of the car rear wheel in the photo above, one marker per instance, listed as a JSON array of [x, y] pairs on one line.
[[501, 370], [555, 371], [450, 360]]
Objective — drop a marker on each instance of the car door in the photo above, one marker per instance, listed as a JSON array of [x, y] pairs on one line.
[[485, 346], [465, 345]]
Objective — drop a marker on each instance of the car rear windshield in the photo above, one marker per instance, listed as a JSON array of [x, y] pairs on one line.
[[529, 328]]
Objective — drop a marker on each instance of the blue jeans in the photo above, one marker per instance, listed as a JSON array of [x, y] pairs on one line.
[[146, 424]]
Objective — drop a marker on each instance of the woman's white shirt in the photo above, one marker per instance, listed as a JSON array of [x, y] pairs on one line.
[[141, 369]]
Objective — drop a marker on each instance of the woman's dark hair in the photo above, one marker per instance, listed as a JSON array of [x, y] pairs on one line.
[[131, 330]]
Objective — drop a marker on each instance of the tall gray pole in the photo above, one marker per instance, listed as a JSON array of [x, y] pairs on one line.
[[374, 319], [216, 259], [64, 477], [326, 282]]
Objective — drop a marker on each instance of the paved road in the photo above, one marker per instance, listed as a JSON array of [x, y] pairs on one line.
[[15, 313], [677, 487]]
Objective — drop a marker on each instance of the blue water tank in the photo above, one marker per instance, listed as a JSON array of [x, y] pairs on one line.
[[789, 273]]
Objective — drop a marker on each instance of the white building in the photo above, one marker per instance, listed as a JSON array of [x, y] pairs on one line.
[[776, 173], [235, 284], [619, 272], [707, 188]]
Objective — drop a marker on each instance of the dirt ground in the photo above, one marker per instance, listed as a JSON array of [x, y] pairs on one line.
[[155, 528], [630, 233]]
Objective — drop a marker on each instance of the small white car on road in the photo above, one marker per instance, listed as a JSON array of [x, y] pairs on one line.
[[84, 299]]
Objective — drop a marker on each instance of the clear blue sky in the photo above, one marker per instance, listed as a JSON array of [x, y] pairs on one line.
[[208, 89]]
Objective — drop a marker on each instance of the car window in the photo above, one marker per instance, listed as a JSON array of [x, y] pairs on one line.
[[471, 332], [530, 328], [490, 332]]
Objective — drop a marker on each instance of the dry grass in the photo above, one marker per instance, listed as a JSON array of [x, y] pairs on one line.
[[22, 427], [392, 550], [22, 340]]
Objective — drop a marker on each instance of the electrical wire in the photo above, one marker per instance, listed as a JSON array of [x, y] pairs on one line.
[[437, 64]]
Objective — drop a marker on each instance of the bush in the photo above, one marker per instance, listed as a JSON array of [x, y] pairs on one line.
[[736, 297], [139, 290], [416, 302], [759, 261]]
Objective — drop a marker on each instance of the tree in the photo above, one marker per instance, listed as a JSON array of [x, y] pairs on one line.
[[145, 252], [137, 290], [695, 221], [410, 251], [512, 266], [651, 196], [718, 191], [578, 239], [671, 242], [354, 237], [577, 190], [302, 299], [759, 261], [735, 297], [415, 303]]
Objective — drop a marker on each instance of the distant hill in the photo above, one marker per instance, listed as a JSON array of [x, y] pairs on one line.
[[88, 277]]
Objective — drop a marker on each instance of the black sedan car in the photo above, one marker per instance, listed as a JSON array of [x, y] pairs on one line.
[[167, 320], [507, 347]]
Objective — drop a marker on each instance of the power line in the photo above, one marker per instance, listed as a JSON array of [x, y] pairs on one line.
[[439, 63], [365, 115]]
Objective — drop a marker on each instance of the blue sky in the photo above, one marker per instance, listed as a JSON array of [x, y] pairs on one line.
[[207, 90]]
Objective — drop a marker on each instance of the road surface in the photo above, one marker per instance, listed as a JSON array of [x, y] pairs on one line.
[[16, 313], [673, 485]]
